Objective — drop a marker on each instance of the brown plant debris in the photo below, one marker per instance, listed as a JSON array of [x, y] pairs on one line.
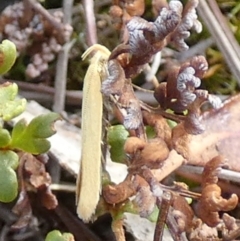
[[202, 232], [211, 201], [40, 180], [182, 213], [147, 157], [114, 194], [151, 155]]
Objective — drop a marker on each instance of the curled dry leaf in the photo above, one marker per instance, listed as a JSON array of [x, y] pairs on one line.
[[182, 213], [133, 144], [129, 107], [22, 207], [120, 88], [180, 140], [160, 125], [116, 13], [230, 222], [211, 201], [181, 85], [48, 199], [144, 198], [40, 180], [202, 232], [221, 135], [114, 194], [180, 93], [157, 5], [150, 154], [135, 7], [188, 21], [211, 170], [122, 11], [115, 81], [151, 37]]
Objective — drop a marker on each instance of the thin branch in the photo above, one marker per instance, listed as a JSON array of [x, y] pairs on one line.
[[58, 187], [225, 186], [150, 71], [67, 10], [223, 173], [44, 94], [62, 63], [61, 77], [90, 20], [163, 206]]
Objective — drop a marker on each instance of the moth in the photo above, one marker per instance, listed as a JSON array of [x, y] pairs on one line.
[[89, 176]]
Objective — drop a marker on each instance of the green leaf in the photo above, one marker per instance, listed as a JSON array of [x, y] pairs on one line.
[[32, 138], [8, 54], [68, 237], [154, 215], [56, 235], [9, 106], [8, 177], [9, 159], [116, 138], [150, 132], [5, 137]]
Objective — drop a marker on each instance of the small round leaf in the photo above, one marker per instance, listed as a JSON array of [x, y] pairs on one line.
[[8, 54], [8, 184], [116, 138], [56, 235], [5, 137]]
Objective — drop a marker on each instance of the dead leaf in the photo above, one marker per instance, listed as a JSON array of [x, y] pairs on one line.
[[221, 136], [40, 179], [211, 201], [23, 209]]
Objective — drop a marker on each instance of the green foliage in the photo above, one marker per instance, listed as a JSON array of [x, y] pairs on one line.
[[8, 55], [56, 235], [116, 138], [154, 215], [150, 132], [8, 177], [32, 138], [9, 106], [5, 138], [26, 137]]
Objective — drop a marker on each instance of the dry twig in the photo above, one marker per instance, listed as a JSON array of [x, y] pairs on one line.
[[62, 63]]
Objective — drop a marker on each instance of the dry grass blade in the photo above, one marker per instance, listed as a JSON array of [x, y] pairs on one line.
[[223, 36]]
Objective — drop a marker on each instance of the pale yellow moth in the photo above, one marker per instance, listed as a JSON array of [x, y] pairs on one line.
[[89, 176]]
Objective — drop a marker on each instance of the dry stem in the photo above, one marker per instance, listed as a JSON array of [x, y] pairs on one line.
[[222, 35]]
